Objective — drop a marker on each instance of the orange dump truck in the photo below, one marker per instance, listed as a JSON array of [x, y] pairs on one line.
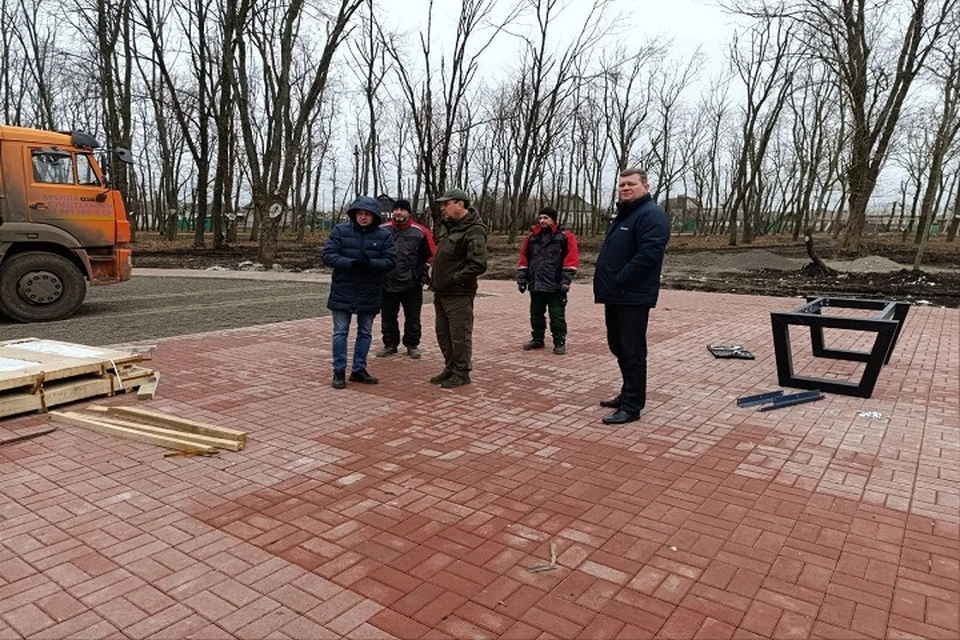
[[61, 226]]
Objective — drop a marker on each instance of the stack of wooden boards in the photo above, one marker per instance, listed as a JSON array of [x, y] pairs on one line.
[[36, 374], [157, 428]]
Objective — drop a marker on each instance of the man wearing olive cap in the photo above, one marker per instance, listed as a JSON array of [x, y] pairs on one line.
[[461, 257]]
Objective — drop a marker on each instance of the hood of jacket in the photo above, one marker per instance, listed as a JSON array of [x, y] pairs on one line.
[[366, 203]]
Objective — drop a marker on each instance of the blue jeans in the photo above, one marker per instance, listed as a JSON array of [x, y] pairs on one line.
[[341, 329]]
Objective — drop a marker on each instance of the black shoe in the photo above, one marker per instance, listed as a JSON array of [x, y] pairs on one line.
[[339, 380], [612, 403], [455, 381], [620, 417], [361, 376], [440, 377], [533, 344], [560, 349]]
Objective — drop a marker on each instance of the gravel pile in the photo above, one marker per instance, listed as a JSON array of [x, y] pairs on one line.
[[867, 264], [752, 260]]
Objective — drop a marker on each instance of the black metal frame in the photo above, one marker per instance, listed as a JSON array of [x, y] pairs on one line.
[[886, 324]]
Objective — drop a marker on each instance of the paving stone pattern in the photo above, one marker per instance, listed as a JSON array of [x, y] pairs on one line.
[[405, 511]]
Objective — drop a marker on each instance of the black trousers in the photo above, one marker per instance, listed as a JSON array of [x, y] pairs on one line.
[[627, 339], [390, 304]]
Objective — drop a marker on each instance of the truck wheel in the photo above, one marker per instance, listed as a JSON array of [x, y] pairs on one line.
[[40, 287]]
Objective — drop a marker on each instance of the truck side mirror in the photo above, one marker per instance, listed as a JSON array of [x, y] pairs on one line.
[[102, 196], [124, 155]]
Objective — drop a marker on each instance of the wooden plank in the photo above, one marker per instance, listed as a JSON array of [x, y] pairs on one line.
[[64, 392], [180, 424], [41, 397], [57, 348], [220, 443], [23, 383], [19, 372], [14, 403], [54, 360], [148, 389], [78, 420]]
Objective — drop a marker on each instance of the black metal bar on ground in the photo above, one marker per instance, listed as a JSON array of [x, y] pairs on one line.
[[794, 398], [760, 398]]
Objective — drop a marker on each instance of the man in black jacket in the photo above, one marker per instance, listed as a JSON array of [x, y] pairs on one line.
[[360, 252], [627, 283], [403, 287]]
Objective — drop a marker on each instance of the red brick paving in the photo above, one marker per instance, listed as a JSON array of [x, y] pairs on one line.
[[407, 511]]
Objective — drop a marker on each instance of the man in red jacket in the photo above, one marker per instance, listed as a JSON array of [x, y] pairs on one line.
[[549, 259]]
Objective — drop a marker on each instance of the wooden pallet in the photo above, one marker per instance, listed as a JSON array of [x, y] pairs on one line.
[[37, 374]]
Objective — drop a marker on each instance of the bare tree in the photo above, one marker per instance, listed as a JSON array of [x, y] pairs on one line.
[[544, 87], [813, 108], [369, 54], [663, 158], [435, 119], [766, 66], [948, 74], [272, 158], [628, 90], [36, 37]]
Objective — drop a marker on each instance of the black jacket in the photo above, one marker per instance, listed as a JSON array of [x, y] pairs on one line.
[[549, 259], [415, 249], [631, 258], [356, 287]]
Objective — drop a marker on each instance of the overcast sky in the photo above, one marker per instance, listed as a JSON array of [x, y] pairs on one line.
[[688, 23]]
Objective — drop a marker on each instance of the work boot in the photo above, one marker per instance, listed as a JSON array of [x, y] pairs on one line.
[[533, 344], [440, 377], [454, 381], [386, 352], [339, 380], [413, 352], [560, 349], [361, 376]]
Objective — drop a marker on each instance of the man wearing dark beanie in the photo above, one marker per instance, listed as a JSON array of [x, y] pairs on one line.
[[549, 259], [403, 287]]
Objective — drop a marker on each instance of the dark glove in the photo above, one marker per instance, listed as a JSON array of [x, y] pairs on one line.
[[361, 263], [522, 287], [564, 290]]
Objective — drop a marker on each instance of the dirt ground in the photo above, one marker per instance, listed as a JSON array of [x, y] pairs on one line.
[[776, 266]]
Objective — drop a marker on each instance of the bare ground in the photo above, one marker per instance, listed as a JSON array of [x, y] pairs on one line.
[[776, 266]]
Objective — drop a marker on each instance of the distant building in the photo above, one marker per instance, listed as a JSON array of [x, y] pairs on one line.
[[684, 212], [577, 213]]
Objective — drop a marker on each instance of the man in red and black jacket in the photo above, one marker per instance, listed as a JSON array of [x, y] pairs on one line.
[[549, 259], [403, 287]]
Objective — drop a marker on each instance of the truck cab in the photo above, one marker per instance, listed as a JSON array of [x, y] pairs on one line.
[[62, 227]]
